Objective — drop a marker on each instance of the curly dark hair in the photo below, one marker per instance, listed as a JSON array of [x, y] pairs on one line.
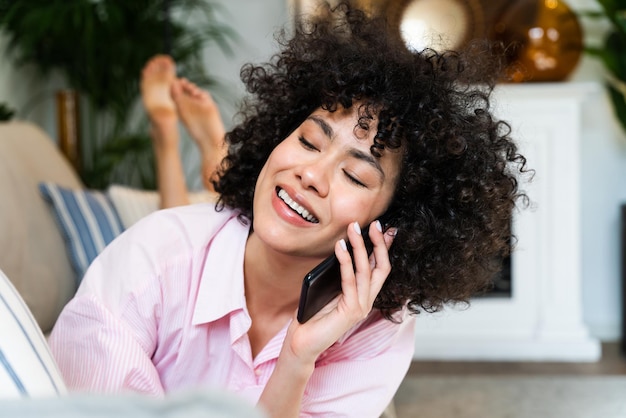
[[458, 184]]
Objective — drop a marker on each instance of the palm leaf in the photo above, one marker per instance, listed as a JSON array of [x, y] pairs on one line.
[[612, 53]]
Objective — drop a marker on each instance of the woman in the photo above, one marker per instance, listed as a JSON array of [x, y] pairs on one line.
[[343, 125]]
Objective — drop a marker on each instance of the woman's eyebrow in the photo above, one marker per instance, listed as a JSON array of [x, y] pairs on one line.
[[354, 152], [368, 158], [324, 126]]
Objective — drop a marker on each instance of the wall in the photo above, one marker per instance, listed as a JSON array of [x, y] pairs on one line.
[[603, 191], [603, 183], [256, 23], [24, 91]]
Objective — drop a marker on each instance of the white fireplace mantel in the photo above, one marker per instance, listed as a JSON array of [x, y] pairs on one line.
[[543, 318]]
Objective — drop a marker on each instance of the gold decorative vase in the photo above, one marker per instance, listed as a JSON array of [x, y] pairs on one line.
[[544, 40]]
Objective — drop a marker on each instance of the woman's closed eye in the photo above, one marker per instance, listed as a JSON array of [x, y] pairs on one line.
[[306, 144], [354, 179]]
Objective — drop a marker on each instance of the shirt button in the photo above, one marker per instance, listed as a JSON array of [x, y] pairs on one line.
[[257, 372]]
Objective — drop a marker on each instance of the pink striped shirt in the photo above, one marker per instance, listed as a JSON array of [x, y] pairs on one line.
[[163, 309]]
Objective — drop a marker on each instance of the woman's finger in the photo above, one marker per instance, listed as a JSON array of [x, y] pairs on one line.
[[379, 259], [363, 274], [348, 281]]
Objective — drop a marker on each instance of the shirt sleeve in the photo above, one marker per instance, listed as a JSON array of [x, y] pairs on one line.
[[97, 352], [360, 375], [106, 335]]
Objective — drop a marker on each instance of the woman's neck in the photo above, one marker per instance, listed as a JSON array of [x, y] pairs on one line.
[[272, 280], [272, 287]]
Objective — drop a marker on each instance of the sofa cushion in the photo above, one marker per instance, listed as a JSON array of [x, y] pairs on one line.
[[32, 251], [87, 219], [133, 204], [27, 368]]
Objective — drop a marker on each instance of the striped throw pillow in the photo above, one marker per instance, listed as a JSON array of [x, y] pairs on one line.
[[27, 368], [87, 220]]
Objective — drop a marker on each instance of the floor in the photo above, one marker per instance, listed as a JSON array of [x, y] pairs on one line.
[[443, 389], [613, 362]]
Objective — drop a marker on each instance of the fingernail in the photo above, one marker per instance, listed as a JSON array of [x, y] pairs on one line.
[[392, 231], [379, 226], [342, 242], [357, 228]]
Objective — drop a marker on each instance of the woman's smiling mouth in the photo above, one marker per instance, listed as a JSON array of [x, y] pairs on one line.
[[282, 194]]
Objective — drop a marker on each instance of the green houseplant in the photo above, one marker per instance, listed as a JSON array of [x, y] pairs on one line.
[[6, 113], [612, 53], [100, 47]]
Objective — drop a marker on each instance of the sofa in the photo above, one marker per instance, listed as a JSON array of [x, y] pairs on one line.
[[33, 253], [52, 226]]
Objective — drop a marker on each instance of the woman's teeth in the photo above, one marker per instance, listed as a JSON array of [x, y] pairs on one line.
[[296, 207]]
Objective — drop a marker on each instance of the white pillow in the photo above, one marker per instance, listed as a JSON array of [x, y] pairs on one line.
[[195, 404], [27, 368], [133, 204]]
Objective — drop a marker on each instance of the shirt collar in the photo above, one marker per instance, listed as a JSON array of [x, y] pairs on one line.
[[221, 289]]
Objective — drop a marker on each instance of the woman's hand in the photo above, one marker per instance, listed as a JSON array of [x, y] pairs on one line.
[[305, 342], [360, 286]]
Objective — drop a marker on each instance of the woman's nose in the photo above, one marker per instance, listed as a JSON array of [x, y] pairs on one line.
[[315, 175]]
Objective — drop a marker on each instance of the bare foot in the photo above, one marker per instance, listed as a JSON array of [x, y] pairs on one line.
[[202, 120], [157, 77]]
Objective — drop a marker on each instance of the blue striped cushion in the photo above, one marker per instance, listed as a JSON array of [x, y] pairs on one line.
[[87, 219], [27, 368]]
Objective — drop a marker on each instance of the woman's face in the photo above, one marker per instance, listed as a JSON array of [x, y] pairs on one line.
[[318, 180]]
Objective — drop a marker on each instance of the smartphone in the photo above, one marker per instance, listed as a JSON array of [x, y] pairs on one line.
[[323, 283]]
